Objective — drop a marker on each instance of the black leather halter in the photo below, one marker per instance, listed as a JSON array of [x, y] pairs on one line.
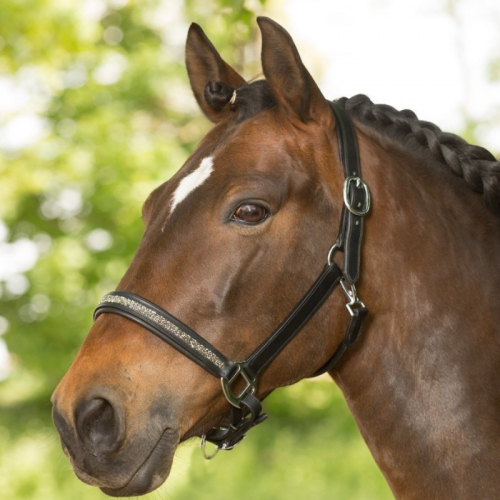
[[246, 409]]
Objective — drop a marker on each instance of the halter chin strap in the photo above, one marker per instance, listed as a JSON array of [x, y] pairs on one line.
[[246, 409]]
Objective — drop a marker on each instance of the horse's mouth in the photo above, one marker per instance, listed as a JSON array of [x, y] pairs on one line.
[[153, 471]]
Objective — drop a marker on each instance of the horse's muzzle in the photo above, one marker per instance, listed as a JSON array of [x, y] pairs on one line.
[[105, 453]]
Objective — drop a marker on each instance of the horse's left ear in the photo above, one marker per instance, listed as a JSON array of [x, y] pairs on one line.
[[288, 78], [211, 78]]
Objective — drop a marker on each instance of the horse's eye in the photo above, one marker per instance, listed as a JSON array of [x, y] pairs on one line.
[[250, 213]]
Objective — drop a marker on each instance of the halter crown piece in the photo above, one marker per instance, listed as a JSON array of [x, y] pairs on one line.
[[246, 409]]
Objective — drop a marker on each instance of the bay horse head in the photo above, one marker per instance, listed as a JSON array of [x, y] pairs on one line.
[[243, 242]]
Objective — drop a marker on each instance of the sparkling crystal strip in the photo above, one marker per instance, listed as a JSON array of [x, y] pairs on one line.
[[153, 316]]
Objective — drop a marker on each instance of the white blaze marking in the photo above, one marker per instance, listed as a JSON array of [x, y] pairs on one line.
[[192, 181]]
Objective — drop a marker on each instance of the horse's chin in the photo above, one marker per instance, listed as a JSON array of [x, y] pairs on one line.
[[151, 473]]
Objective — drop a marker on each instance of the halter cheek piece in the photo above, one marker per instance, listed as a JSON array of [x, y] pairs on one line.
[[245, 407]]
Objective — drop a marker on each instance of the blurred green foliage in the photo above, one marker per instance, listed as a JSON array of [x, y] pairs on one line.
[[105, 79]]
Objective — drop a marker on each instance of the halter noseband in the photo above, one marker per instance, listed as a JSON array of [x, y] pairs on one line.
[[245, 407]]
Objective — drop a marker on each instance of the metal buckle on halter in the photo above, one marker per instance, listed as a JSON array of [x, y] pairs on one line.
[[250, 387], [360, 183], [352, 296]]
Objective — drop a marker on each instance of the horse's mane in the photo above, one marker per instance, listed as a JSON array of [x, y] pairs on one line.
[[479, 168]]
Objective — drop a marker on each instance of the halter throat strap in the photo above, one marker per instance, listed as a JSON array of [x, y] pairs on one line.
[[246, 409]]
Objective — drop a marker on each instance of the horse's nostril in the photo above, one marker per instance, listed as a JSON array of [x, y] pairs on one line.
[[99, 425]]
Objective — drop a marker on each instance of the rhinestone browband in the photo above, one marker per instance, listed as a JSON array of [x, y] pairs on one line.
[[152, 316]]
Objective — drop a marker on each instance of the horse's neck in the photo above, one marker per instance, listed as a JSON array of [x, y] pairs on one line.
[[423, 385]]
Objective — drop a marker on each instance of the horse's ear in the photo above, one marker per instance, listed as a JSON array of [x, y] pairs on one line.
[[212, 79], [287, 76]]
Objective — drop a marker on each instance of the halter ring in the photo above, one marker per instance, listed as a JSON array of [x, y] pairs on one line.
[[332, 251], [203, 445]]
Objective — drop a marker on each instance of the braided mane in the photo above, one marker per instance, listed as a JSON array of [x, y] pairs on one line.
[[479, 168]]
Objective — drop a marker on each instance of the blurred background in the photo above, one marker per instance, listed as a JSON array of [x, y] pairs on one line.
[[96, 111]]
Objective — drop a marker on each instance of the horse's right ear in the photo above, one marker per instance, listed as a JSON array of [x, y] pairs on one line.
[[290, 82], [213, 81]]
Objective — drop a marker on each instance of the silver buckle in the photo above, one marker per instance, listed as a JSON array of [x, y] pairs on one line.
[[250, 388], [352, 297], [359, 184]]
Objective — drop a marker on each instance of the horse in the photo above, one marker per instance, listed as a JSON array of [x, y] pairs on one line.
[[242, 241]]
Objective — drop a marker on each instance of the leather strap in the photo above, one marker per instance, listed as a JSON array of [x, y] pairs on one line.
[[351, 226], [295, 321], [168, 328], [242, 420], [351, 337], [348, 143]]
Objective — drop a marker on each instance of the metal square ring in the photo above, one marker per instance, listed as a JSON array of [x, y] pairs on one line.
[[250, 387]]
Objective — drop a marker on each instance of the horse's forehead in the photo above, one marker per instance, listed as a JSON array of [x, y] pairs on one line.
[[248, 146], [255, 142], [192, 181], [256, 146]]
